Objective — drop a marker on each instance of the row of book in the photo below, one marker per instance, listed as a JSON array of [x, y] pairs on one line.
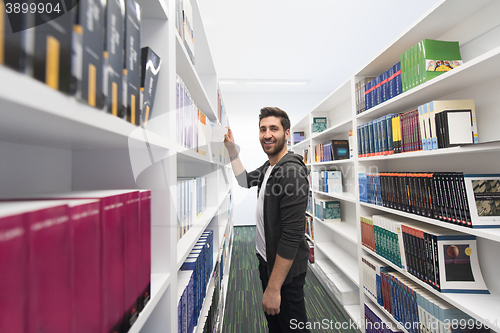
[[331, 150], [413, 307], [376, 322], [191, 202], [444, 259], [327, 210], [466, 200], [326, 181], [185, 25], [374, 91], [434, 125], [93, 52], [428, 59], [195, 130], [424, 61], [212, 319], [193, 278], [75, 262]]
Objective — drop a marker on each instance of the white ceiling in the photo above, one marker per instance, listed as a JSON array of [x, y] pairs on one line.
[[323, 41]]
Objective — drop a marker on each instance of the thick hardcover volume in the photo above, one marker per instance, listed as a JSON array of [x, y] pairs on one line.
[[88, 52], [12, 50], [50, 269], [132, 256], [86, 264], [113, 57], [14, 260], [145, 249], [132, 66], [113, 279], [52, 56], [150, 69]]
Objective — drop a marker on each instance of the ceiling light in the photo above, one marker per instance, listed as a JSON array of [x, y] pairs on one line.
[[264, 81]]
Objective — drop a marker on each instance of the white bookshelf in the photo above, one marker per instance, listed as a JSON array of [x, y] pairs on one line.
[[477, 29], [50, 142]]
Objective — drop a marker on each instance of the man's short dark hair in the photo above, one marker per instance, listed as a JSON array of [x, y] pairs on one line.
[[270, 111]]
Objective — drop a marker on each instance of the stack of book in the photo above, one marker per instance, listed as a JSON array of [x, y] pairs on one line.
[[213, 313], [414, 308], [185, 25], [382, 88], [75, 262], [470, 201], [93, 53], [327, 210], [327, 181], [433, 125], [444, 259], [331, 150], [193, 278], [360, 94], [428, 59], [195, 130], [191, 202]]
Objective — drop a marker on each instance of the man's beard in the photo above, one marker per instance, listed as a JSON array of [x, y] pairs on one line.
[[278, 146]]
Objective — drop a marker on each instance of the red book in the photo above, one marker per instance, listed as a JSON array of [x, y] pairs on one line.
[[145, 244], [131, 201], [86, 264], [14, 268], [49, 283]]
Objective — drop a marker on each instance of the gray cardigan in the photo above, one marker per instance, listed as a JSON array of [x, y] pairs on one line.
[[285, 203]]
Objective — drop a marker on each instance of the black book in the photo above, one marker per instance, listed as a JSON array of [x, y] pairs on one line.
[[433, 196], [151, 64], [455, 217], [12, 38], [437, 279], [132, 62], [468, 220], [113, 57], [460, 210], [52, 56], [88, 52], [439, 196]]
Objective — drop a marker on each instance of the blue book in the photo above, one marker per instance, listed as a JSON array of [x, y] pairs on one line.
[[376, 135], [398, 84], [360, 148], [362, 187], [390, 83], [383, 135], [384, 86]]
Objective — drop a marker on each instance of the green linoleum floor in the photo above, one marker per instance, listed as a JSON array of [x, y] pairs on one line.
[[243, 311]]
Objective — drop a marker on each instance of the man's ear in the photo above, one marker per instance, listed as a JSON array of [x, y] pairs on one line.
[[287, 134]]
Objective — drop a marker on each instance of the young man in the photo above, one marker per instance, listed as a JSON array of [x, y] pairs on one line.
[[282, 250]]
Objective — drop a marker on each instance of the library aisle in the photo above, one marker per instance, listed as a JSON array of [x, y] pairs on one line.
[[243, 311]]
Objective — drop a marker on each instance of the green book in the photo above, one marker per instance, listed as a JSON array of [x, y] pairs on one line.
[[331, 211], [427, 60], [318, 124], [439, 57]]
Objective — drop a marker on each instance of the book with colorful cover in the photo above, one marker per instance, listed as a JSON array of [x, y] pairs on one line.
[[319, 124]]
